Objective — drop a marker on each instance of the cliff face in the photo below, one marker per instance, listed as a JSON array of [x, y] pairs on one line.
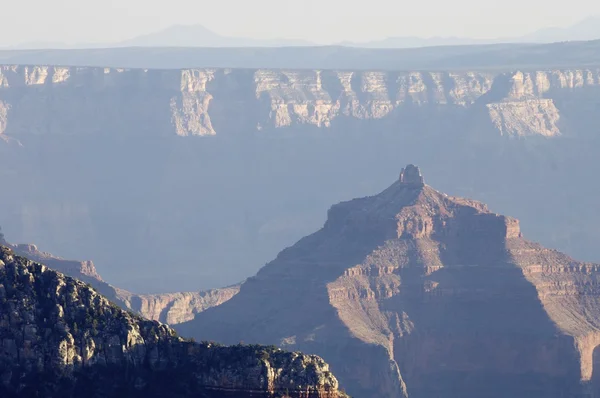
[[44, 100], [433, 295], [61, 338]]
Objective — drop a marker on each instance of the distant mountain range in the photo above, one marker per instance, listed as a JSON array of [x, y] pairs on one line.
[[199, 36], [587, 29], [175, 36]]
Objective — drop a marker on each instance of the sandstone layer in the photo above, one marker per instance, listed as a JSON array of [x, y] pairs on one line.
[[415, 293], [58, 337]]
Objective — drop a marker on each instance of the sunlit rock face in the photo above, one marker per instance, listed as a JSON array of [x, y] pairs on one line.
[[433, 295], [174, 308]]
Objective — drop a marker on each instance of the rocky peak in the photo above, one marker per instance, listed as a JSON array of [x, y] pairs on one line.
[[409, 209], [433, 295], [411, 175]]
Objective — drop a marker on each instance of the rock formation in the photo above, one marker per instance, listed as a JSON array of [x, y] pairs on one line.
[[168, 308], [59, 337], [411, 175], [415, 293], [174, 308]]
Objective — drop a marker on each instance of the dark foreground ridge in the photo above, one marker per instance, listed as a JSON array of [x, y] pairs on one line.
[[415, 293], [60, 338]]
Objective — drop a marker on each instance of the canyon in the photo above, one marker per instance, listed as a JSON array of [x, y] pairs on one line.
[[186, 170], [192, 179], [415, 293]]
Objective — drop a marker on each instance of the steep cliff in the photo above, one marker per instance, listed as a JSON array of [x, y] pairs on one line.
[[61, 338], [416, 293], [45, 100]]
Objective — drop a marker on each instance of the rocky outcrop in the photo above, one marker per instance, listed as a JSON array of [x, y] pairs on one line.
[[170, 308], [433, 295], [46, 100], [174, 308], [58, 337]]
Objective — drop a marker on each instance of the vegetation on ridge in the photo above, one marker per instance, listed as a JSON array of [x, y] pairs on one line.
[[61, 338]]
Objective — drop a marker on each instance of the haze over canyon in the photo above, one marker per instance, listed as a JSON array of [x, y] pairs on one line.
[[189, 179]]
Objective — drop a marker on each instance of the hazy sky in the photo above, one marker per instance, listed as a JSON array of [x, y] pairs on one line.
[[322, 21]]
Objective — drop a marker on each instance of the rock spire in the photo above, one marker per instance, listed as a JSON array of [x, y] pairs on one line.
[[411, 175]]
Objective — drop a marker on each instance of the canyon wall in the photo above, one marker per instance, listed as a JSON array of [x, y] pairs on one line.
[[46, 100], [174, 308]]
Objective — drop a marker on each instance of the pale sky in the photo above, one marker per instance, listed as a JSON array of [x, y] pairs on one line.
[[321, 21]]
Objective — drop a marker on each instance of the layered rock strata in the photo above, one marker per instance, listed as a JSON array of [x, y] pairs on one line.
[[52, 100], [174, 308]]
